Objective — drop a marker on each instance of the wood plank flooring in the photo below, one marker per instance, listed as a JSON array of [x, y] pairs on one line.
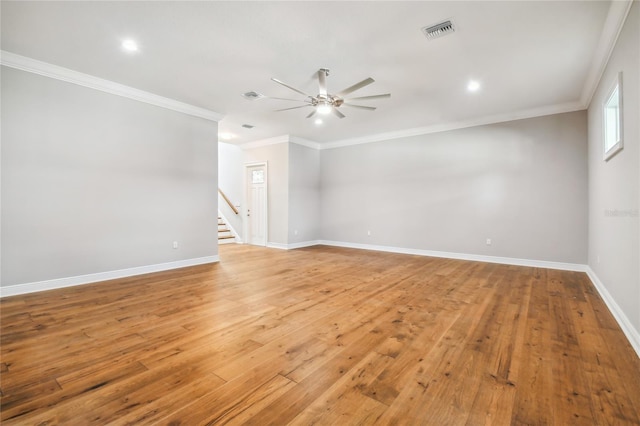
[[320, 335]]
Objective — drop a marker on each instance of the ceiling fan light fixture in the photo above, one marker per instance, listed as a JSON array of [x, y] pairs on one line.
[[325, 103], [324, 108]]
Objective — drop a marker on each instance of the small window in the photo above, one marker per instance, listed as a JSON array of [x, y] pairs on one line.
[[612, 108], [257, 176]]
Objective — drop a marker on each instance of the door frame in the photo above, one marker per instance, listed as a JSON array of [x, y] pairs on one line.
[[246, 228]]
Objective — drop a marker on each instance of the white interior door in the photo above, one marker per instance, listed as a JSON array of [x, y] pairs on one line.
[[257, 204]]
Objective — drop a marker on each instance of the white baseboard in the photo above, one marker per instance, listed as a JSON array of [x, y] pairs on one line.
[[627, 328], [293, 246], [463, 256], [303, 244], [17, 289], [279, 246]]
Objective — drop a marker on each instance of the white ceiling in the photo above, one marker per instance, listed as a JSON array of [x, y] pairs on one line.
[[528, 55]]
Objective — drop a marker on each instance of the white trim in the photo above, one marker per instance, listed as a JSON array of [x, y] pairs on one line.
[[618, 11], [417, 131], [627, 328], [305, 142], [14, 290], [231, 228], [279, 246], [608, 153], [281, 139], [265, 142], [302, 244], [34, 66], [463, 256], [293, 246], [482, 121]]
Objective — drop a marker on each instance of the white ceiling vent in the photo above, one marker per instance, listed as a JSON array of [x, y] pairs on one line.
[[439, 30], [253, 95]]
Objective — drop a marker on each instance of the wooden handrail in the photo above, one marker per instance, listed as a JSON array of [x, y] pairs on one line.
[[228, 201]]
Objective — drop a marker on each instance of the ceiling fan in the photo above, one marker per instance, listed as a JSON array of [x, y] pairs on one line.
[[325, 102]]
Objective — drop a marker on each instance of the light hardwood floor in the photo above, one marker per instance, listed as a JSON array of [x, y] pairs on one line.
[[320, 335]]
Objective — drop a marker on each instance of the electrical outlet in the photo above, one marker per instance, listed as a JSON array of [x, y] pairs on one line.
[[175, 244], [488, 241], [295, 232], [368, 233]]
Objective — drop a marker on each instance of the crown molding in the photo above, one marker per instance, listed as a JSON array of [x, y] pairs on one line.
[[482, 121], [618, 11], [265, 142], [305, 142], [417, 131], [34, 66], [281, 139]]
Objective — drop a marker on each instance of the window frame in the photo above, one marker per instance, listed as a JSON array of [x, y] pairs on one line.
[[609, 150]]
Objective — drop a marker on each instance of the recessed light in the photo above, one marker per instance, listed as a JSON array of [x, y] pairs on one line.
[[473, 86], [130, 45], [318, 121], [226, 136]]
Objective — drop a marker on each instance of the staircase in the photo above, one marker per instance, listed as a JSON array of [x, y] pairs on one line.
[[224, 234]]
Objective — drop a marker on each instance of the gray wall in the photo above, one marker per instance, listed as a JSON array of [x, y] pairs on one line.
[[93, 182], [304, 194], [521, 183], [614, 185], [231, 181], [277, 159]]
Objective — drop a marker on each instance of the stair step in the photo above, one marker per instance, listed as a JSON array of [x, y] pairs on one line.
[[224, 233]]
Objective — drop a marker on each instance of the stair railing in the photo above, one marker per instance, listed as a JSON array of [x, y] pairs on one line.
[[224, 197]]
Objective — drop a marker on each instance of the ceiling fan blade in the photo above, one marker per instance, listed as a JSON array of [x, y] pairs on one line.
[[355, 87], [360, 106], [361, 98], [322, 82], [338, 113], [295, 107], [286, 99], [290, 87], [311, 114]]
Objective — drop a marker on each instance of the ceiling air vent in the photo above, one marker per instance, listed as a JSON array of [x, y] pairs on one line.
[[248, 126], [253, 95], [439, 30]]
